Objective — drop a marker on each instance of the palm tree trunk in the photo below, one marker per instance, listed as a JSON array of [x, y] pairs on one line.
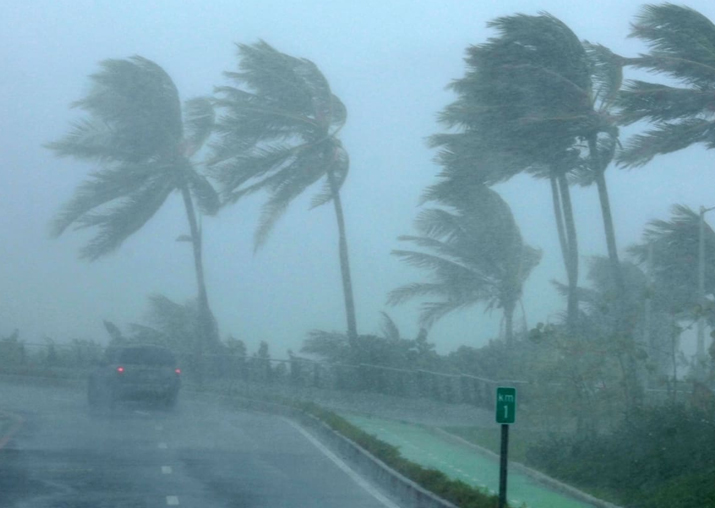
[[344, 260], [207, 322], [558, 215], [624, 325], [509, 323], [572, 251], [600, 178]]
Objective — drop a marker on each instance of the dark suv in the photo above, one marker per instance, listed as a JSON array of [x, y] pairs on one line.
[[135, 372]]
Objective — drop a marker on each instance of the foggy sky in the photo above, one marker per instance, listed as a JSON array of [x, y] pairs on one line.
[[389, 62]]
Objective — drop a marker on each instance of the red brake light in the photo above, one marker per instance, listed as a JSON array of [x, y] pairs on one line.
[[120, 370], [178, 371]]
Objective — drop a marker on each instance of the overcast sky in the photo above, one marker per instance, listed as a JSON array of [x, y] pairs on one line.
[[389, 61]]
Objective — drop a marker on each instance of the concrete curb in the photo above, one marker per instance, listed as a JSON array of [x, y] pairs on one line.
[[538, 476], [19, 422], [404, 490]]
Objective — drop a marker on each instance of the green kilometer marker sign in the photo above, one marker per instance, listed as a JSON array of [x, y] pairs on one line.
[[506, 405]]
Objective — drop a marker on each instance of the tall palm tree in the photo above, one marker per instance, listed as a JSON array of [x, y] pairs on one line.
[[133, 130], [473, 250], [527, 104], [681, 44], [279, 134], [517, 107]]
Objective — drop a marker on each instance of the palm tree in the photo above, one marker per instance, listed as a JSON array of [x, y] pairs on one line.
[[670, 247], [279, 134], [134, 132], [670, 250], [526, 104], [682, 46], [474, 251]]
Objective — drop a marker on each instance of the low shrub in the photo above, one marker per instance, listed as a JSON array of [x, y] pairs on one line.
[[657, 453], [433, 480]]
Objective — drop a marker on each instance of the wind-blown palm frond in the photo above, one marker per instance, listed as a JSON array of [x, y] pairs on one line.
[[606, 75], [199, 120], [666, 138], [388, 327], [117, 223], [135, 101], [104, 186], [204, 193], [283, 125], [682, 45], [681, 40]]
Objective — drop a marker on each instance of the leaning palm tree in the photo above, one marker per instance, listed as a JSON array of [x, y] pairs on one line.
[[278, 133], [527, 104], [682, 46], [133, 131], [472, 249], [518, 109]]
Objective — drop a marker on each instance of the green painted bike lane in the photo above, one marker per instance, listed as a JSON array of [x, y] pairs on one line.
[[461, 463]]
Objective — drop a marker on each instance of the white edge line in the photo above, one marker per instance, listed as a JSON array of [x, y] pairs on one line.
[[343, 466], [172, 500]]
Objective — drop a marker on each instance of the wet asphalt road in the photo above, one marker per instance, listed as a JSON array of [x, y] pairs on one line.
[[198, 455]]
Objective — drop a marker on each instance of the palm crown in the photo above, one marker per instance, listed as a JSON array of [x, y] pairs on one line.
[[134, 131], [473, 249], [278, 132]]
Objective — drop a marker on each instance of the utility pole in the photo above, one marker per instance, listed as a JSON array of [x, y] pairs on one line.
[[700, 359]]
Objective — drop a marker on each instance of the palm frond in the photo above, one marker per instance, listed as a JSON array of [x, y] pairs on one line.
[[294, 180], [293, 85], [140, 105], [682, 43], [666, 138], [104, 186], [205, 195], [388, 327], [416, 290], [660, 103], [121, 221], [606, 74], [340, 167], [431, 312], [265, 163], [199, 120], [91, 140]]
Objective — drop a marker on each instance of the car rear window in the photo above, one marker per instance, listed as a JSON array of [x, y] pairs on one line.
[[147, 356]]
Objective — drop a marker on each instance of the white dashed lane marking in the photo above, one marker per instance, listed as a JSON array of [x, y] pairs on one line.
[[163, 446], [172, 500], [166, 469]]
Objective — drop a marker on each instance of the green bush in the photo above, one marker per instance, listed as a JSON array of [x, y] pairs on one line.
[[654, 454], [433, 480]]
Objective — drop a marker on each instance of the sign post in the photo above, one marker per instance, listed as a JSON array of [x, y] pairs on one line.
[[505, 415]]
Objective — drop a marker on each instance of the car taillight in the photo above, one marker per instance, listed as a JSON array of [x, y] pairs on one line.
[[120, 370], [178, 371]]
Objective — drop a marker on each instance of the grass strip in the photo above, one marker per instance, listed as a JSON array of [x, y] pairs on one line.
[[433, 480]]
